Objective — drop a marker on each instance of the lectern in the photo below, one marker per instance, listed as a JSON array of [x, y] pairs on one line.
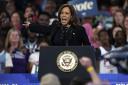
[[64, 62]]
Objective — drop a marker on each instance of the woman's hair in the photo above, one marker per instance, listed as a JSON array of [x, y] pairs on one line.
[[8, 44], [16, 12], [103, 30], [120, 41], [126, 15], [118, 28], [123, 34], [120, 12], [30, 6], [74, 20]]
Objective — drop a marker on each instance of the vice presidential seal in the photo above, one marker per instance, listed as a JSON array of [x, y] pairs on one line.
[[67, 61]]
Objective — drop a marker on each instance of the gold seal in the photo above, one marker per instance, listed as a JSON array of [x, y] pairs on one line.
[[67, 61]]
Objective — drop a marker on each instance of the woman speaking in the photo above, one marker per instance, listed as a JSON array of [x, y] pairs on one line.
[[67, 31]]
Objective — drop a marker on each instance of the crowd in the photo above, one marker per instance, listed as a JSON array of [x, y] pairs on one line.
[[23, 32]]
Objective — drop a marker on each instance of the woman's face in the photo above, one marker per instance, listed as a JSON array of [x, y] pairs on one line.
[[14, 37], [126, 23], [65, 16], [104, 37], [15, 19], [28, 12], [119, 18]]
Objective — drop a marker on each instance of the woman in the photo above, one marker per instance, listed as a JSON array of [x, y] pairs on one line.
[[113, 31], [105, 66], [66, 32], [126, 25], [118, 18], [120, 39], [16, 23], [29, 15], [14, 45]]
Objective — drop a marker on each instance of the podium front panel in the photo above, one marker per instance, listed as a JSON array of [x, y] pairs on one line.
[[48, 62]]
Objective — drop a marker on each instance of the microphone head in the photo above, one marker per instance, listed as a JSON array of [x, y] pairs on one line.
[[56, 23]]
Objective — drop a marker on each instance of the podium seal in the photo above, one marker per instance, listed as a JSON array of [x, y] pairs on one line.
[[67, 61]]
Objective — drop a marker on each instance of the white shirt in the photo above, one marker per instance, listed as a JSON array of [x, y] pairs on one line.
[[103, 51], [105, 66], [34, 59], [8, 59]]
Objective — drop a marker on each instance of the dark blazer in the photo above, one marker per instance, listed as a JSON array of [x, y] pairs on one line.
[[61, 36]]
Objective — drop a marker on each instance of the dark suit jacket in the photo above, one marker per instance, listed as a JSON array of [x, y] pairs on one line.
[[61, 36]]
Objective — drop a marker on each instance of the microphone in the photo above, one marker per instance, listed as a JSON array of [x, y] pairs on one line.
[[56, 23]]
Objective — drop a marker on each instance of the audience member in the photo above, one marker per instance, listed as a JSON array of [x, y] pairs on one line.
[[126, 26], [118, 18], [50, 79], [14, 45], [120, 39], [5, 58], [31, 42], [105, 66], [34, 58], [87, 63]]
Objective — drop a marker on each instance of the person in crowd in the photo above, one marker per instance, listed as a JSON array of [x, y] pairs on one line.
[[118, 18], [95, 40], [119, 58], [29, 15], [50, 79], [14, 45], [105, 66], [50, 7], [4, 23], [31, 42], [113, 31], [44, 18], [34, 58], [113, 8], [126, 26], [16, 23], [87, 24], [66, 31], [125, 5], [105, 44], [5, 58], [120, 39], [10, 6], [87, 63]]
